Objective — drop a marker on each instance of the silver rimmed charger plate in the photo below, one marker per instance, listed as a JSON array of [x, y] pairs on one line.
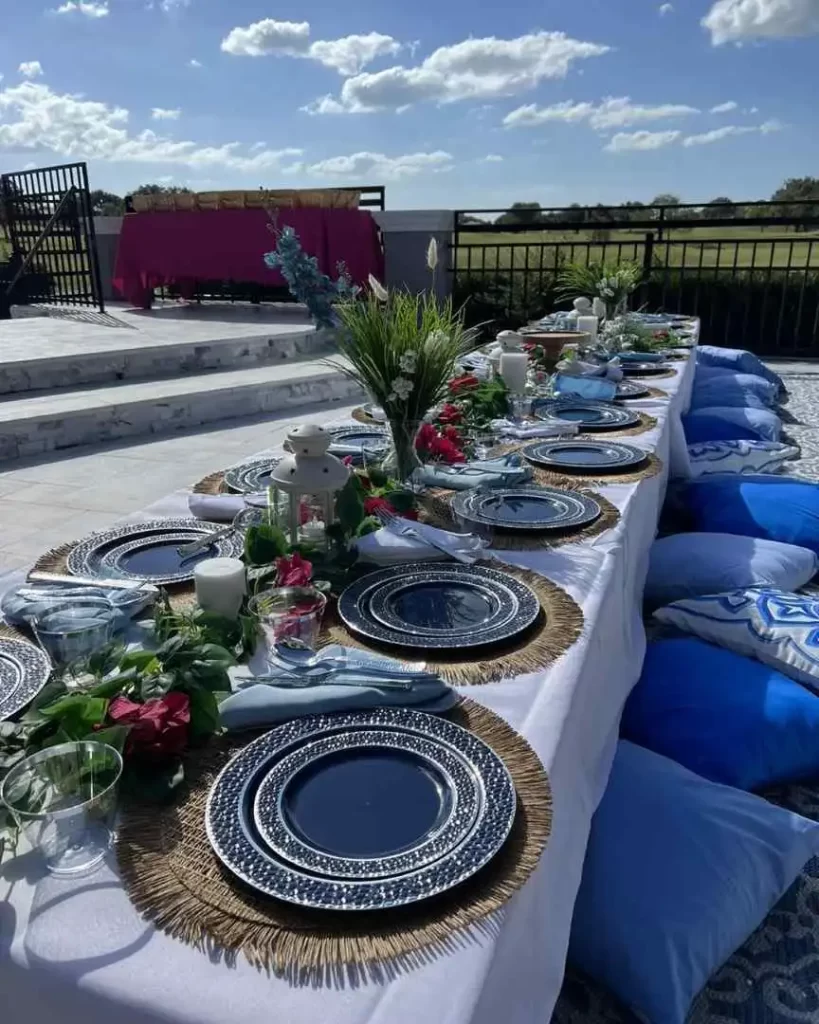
[[359, 441], [526, 508], [24, 671], [148, 551], [629, 389], [584, 456], [644, 369], [586, 413], [438, 608], [316, 806], [233, 834], [251, 477]]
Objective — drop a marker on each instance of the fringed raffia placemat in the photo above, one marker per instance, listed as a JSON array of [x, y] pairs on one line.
[[436, 511], [182, 596], [361, 415], [558, 626], [552, 478], [176, 882], [213, 484]]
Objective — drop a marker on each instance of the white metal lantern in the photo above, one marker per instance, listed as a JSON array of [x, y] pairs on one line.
[[311, 473]]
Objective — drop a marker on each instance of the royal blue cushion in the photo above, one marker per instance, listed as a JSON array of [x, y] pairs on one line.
[[728, 394], [713, 376], [692, 564], [678, 873], [736, 359], [719, 423], [772, 507], [726, 717]]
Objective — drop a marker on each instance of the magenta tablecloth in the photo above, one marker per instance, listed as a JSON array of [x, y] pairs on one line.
[[183, 247]]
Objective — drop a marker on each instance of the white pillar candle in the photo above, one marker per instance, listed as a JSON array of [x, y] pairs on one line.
[[588, 325], [221, 585], [513, 367]]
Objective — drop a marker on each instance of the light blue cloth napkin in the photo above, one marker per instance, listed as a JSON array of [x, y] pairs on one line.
[[506, 472], [29, 602], [585, 387]]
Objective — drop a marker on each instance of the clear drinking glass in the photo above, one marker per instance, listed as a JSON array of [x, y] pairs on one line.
[[64, 798], [289, 613], [69, 633]]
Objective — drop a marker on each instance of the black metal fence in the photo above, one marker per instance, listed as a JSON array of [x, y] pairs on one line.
[[47, 228], [749, 271]]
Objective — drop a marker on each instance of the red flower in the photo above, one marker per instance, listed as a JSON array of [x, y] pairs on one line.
[[450, 414], [294, 571], [347, 460], [452, 434], [443, 450], [466, 383], [425, 437], [159, 727], [372, 506]]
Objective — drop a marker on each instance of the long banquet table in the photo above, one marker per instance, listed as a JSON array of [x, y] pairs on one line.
[[77, 952]]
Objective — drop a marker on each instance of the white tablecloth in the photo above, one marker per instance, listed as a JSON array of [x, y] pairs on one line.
[[78, 953]]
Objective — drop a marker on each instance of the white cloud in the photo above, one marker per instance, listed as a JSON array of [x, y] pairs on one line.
[[665, 9], [613, 112], [731, 131], [347, 55], [738, 20], [194, 63], [473, 69], [173, 5], [32, 116], [493, 158], [724, 108], [165, 114], [30, 69], [380, 167], [623, 142], [90, 9]]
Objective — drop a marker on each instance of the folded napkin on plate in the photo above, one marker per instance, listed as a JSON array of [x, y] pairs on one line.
[[505, 472], [610, 370], [543, 428], [216, 508], [585, 387], [25, 604], [384, 547]]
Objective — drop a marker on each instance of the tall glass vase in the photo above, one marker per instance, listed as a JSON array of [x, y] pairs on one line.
[[403, 459], [617, 309]]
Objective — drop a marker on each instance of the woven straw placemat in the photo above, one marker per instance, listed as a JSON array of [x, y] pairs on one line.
[[437, 512], [214, 483], [552, 478], [360, 415], [646, 423], [558, 626], [176, 882], [182, 596]]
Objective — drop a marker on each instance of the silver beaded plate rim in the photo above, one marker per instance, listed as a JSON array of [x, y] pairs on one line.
[[464, 790], [629, 389], [97, 554], [502, 601], [580, 508], [343, 438], [613, 417], [354, 611], [627, 455], [259, 868], [244, 478], [24, 671]]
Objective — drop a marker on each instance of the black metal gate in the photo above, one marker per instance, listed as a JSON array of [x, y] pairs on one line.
[[50, 246]]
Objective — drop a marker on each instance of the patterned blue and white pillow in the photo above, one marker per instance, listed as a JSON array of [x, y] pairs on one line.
[[777, 627], [739, 456]]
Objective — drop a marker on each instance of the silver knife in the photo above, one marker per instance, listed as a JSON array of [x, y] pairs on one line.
[[89, 581]]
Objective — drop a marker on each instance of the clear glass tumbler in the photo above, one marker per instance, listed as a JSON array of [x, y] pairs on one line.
[[64, 798], [289, 613]]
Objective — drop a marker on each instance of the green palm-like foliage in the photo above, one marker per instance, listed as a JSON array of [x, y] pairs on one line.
[[584, 279]]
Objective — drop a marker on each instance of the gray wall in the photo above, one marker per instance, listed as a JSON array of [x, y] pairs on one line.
[[107, 230]]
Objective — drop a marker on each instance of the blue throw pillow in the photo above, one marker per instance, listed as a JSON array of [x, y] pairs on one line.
[[736, 359], [726, 717], [772, 507], [712, 376], [776, 626], [691, 564], [678, 873], [728, 394], [719, 423], [706, 457]]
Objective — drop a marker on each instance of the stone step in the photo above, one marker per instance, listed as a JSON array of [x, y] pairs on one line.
[[82, 355], [39, 423]]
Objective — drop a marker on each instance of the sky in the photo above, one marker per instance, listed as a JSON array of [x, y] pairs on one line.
[[449, 104]]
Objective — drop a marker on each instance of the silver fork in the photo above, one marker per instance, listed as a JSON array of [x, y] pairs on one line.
[[303, 680], [403, 527]]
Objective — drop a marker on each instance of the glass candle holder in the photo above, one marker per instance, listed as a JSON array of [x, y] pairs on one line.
[[289, 613], [64, 799]]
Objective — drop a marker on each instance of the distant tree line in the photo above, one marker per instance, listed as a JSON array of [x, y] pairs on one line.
[[108, 204]]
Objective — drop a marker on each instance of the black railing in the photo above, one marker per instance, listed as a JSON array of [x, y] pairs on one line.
[[51, 251], [753, 282]]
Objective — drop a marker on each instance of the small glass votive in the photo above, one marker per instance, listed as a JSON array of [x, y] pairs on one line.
[[221, 585], [289, 613], [69, 633], [520, 406], [64, 798]]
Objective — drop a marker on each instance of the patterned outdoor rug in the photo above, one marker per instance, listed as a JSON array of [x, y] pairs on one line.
[[774, 977]]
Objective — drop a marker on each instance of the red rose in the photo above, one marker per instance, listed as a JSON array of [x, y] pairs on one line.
[[450, 414], [425, 437], [466, 383], [159, 727], [443, 450], [372, 506], [452, 434], [294, 571]]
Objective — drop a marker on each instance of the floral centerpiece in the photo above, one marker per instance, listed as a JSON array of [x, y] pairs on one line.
[[402, 349], [625, 334], [613, 283]]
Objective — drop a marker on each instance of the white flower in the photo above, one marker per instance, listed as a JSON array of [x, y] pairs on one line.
[[432, 253], [408, 361], [437, 338], [402, 387], [378, 289]]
